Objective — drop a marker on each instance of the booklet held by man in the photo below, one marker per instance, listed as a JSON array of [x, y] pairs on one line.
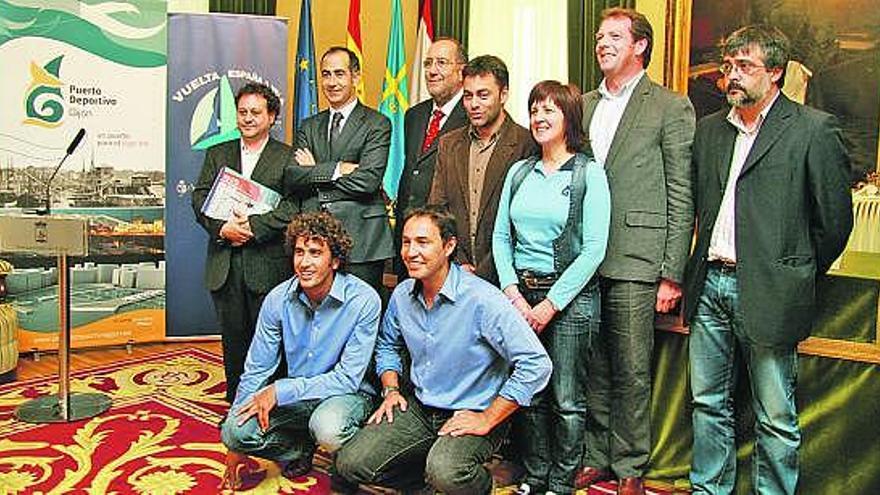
[[233, 192]]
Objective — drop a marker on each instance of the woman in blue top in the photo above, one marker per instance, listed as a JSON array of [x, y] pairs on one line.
[[549, 239]]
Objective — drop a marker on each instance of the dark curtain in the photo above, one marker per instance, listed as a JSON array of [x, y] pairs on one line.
[[451, 19], [583, 21], [257, 7]]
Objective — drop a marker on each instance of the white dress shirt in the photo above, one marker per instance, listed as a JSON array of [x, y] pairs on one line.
[[447, 108], [345, 110], [250, 158], [722, 244], [607, 116]]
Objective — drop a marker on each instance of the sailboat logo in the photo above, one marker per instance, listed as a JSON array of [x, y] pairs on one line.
[[214, 119]]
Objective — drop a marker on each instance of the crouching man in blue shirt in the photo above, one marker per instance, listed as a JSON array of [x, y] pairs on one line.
[[474, 362], [325, 322]]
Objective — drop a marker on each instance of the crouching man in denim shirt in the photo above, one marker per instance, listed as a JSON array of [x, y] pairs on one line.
[[325, 322], [474, 362]]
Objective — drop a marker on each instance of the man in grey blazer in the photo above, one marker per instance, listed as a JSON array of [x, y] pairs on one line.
[[246, 255], [340, 158], [774, 211], [423, 125], [642, 134]]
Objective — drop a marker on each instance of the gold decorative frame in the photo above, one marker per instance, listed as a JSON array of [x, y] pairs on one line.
[[676, 72]]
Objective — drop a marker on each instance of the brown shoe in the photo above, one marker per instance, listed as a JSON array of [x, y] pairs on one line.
[[587, 476], [630, 486]]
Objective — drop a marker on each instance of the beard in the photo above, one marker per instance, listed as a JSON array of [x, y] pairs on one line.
[[746, 97]]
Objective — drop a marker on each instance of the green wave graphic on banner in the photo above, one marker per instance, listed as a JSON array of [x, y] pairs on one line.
[[131, 33]]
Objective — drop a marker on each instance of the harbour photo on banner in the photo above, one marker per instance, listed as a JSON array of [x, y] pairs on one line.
[[99, 67]]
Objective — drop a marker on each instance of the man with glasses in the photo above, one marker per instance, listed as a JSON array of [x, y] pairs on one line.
[[641, 133], [773, 211], [423, 124], [472, 162]]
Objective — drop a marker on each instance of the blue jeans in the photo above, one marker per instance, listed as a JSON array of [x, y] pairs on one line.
[[295, 430], [717, 349], [553, 425]]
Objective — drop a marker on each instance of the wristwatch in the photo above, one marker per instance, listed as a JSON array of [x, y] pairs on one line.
[[388, 389]]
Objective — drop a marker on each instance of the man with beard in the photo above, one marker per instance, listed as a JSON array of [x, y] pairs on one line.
[[773, 213], [472, 162]]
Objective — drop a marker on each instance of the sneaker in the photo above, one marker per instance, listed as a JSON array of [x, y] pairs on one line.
[[523, 489]]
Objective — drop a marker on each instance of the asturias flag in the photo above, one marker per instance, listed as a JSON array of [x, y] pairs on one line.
[[395, 99], [306, 94]]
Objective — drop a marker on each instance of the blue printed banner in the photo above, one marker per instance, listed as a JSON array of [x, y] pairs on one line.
[[205, 68]]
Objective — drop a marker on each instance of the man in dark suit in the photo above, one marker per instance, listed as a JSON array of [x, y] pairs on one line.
[[642, 134], [246, 255], [472, 162], [773, 211], [423, 124], [341, 155]]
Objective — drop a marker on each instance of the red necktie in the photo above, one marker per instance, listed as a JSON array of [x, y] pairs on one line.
[[433, 129]]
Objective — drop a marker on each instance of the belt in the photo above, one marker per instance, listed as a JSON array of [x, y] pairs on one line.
[[536, 281], [724, 266]]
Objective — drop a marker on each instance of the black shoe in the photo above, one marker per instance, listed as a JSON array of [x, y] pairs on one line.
[[297, 468], [340, 485]]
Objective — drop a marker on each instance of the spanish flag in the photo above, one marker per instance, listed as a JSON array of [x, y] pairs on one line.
[[353, 41]]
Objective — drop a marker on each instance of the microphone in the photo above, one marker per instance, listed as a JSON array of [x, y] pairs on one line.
[[70, 149], [76, 140]]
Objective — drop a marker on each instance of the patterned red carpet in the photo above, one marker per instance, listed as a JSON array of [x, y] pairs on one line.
[[158, 438]]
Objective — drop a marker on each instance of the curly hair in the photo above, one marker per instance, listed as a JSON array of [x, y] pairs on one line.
[[273, 103], [320, 226]]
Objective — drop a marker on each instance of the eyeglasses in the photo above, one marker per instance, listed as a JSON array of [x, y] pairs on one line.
[[441, 63], [742, 66]]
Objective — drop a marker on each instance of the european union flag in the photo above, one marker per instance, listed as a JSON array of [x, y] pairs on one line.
[[306, 92]]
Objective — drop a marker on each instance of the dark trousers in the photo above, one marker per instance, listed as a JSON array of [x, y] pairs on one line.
[[619, 389], [408, 452], [553, 425], [237, 309]]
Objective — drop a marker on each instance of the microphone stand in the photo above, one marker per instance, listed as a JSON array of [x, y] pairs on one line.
[[48, 207]]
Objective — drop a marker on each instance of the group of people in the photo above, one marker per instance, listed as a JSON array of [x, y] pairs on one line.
[[530, 263]]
